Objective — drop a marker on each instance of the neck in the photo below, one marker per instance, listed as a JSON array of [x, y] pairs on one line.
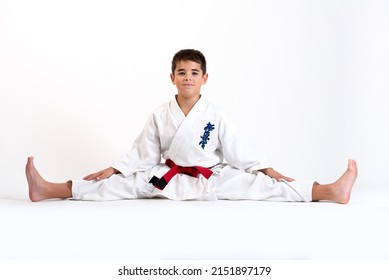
[[186, 104]]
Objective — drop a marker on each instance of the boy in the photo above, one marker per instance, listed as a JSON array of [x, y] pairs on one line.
[[194, 137]]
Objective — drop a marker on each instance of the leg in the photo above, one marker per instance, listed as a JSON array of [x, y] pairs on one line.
[[116, 187], [234, 184], [340, 190], [40, 189]]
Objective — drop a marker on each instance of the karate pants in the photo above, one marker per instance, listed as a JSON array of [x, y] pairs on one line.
[[226, 183]]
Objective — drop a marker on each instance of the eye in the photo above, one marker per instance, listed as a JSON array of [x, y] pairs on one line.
[[195, 73], [181, 73]]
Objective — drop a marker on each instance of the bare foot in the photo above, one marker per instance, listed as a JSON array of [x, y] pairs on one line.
[[36, 183], [343, 186], [40, 189]]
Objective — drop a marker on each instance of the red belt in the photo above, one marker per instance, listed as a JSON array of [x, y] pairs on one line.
[[194, 171]]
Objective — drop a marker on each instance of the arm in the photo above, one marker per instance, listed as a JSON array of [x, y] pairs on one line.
[[238, 150], [144, 154]]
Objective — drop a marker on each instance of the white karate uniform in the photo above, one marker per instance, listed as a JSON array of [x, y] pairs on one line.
[[205, 137]]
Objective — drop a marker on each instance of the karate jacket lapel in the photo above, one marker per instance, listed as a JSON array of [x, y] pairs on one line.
[[186, 123]]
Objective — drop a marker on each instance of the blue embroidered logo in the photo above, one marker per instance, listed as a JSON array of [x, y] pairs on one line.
[[207, 132]]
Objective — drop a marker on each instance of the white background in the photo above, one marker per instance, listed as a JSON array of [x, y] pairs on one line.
[[307, 80]]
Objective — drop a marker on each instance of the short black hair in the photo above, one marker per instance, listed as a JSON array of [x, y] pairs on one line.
[[192, 55]]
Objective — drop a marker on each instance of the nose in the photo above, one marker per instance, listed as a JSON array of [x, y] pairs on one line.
[[188, 77]]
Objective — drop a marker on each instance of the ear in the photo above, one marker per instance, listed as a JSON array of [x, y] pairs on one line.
[[205, 79], [173, 78]]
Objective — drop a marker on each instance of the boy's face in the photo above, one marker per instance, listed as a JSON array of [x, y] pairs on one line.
[[188, 78]]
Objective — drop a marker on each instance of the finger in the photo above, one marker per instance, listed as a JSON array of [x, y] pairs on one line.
[[92, 176], [103, 175], [88, 177], [288, 179]]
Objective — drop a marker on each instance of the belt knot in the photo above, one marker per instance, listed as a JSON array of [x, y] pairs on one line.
[[193, 171]]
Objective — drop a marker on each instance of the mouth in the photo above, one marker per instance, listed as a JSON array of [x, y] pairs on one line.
[[188, 85]]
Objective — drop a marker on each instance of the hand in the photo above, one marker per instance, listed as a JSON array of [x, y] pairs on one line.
[[103, 174], [276, 175]]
